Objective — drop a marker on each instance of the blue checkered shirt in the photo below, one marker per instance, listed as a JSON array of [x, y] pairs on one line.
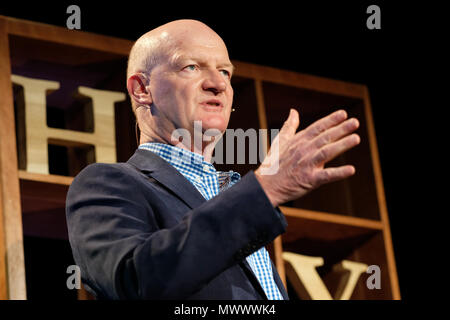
[[209, 182]]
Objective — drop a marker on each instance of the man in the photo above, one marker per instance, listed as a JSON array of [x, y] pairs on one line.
[[166, 224]]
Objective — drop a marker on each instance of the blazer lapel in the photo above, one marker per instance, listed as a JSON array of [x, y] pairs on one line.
[[159, 169], [253, 279]]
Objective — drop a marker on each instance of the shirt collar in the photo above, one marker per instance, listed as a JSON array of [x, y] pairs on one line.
[[188, 162]]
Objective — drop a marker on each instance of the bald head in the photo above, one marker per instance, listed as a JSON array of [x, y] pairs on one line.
[[179, 73], [163, 41]]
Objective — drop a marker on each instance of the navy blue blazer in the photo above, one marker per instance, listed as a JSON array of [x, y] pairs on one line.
[[141, 230]]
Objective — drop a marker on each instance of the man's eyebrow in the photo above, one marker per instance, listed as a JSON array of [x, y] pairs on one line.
[[177, 58]]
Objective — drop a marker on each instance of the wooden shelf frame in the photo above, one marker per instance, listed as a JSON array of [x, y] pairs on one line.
[[12, 264], [12, 270], [262, 74], [332, 218], [47, 178]]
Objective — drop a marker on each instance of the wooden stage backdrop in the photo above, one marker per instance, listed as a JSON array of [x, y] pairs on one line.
[[64, 105]]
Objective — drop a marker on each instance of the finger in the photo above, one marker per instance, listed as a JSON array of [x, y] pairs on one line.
[[335, 133], [325, 123], [328, 175], [332, 150], [287, 131], [291, 124]]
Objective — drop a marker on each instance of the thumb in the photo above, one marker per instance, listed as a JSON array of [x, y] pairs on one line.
[[291, 124]]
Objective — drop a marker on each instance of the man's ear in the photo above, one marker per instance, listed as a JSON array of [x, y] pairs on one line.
[[137, 86]]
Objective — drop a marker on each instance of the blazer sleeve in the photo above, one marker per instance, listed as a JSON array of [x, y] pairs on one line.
[[123, 254]]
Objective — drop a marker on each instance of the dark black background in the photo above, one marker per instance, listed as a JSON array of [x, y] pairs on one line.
[[325, 38]]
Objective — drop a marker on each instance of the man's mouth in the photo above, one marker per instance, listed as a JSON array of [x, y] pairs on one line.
[[213, 105]]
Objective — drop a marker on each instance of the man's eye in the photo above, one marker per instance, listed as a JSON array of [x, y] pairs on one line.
[[225, 73], [191, 67]]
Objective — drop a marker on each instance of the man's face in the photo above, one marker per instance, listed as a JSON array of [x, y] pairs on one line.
[[193, 84]]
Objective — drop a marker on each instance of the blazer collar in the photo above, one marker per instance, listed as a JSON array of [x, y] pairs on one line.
[[159, 169]]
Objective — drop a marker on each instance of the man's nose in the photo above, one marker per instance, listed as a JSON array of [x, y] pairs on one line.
[[214, 82]]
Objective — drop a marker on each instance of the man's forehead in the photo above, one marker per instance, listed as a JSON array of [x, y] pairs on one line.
[[200, 42], [194, 50], [179, 42]]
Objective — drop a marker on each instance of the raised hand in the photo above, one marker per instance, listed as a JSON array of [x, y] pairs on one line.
[[295, 162]]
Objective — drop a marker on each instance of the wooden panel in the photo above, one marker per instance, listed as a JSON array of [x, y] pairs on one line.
[[381, 199], [36, 30], [300, 80], [40, 196], [317, 235], [331, 218], [48, 178], [3, 275], [43, 205], [10, 212], [3, 105]]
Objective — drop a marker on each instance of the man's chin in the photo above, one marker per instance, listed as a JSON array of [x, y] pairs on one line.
[[213, 126], [212, 132]]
